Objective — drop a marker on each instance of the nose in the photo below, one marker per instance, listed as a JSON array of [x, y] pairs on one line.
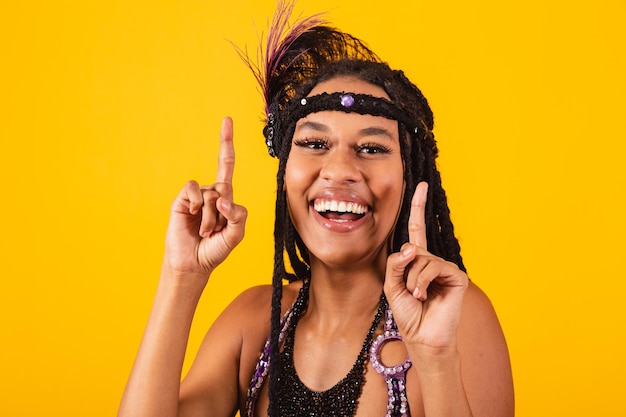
[[341, 166]]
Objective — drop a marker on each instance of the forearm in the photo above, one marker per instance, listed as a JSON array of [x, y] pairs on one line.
[[153, 386], [441, 383]]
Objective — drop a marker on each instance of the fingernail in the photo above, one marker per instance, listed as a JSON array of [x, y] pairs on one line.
[[407, 251], [416, 292]]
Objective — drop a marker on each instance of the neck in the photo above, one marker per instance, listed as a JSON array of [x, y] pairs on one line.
[[339, 296]]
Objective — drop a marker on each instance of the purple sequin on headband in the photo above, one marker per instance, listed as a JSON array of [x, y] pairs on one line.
[[347, 100]]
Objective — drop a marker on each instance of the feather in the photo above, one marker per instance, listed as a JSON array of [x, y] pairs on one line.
[[278, 56]]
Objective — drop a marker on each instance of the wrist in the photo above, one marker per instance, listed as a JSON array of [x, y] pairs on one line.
[[439, 372], [183, 280], [435, 360]]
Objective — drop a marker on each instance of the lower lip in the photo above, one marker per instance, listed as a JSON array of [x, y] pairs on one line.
[[340, 226]]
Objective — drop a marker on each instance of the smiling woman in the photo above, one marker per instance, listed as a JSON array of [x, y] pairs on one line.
[[364, 222]]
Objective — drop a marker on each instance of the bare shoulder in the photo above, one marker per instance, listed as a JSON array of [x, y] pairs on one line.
[[211, 387], [224, 364], [479, 327], [484, 354], [476, 302], [252, 300], [246, 322], [254, 304]]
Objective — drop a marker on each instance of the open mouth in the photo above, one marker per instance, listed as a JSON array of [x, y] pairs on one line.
[[340, 210]]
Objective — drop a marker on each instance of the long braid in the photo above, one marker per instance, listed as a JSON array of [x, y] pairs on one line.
[[450, 248], [286, 240], [439, 228], [401, 234], [297, 253], [277, 285]]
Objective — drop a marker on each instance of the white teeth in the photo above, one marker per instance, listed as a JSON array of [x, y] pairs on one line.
[[339, 207]]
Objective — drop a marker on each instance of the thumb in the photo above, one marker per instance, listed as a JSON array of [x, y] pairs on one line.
[[235, 216], [397, 263]]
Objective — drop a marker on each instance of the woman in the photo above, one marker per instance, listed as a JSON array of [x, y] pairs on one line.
[[372, 261]]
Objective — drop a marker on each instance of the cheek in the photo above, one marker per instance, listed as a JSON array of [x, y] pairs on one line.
[[391, 178], [297, 181], [292, 177], [299, 175], [391, 190]]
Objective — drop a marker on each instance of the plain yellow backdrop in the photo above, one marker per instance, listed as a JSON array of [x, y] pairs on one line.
[[108, 107]]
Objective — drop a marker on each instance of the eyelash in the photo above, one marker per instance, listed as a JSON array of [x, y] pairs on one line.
[[376, 147], [311, 143], [316, 144]]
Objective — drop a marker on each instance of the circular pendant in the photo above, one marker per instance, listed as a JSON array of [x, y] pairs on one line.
[[375, 351]]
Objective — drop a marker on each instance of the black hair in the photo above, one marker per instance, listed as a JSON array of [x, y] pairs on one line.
[[311, 55]]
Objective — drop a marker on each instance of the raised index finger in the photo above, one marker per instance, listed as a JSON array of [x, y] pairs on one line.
[[226, 158], [417, 219]]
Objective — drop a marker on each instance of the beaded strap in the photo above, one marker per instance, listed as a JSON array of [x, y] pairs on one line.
[[263, 366], [395, 376]]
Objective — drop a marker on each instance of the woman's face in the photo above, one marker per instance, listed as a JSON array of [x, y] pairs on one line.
[[344, 179]]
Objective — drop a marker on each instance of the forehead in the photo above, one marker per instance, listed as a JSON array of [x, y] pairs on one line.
[[340, 123], [348, 84]]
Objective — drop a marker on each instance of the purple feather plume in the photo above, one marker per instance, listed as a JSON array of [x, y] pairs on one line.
[[281, 36]]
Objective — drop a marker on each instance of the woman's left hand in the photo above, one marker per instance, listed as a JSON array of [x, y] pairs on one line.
[[425, 292]]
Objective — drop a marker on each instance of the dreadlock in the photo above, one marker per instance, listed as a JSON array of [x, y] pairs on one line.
[[297, 58]]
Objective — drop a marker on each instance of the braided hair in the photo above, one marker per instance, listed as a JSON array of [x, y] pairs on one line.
[[296, 59]]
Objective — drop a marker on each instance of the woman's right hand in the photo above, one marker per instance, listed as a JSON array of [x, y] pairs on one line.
[[205, 224]]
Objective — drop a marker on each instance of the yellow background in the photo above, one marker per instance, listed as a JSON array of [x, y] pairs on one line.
[[108, 107]]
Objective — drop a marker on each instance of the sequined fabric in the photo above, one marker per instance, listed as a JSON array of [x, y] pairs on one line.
[[296, 400]]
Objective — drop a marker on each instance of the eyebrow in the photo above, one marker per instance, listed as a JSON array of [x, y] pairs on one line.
[[368, 131], [376, 131], [320, 127]]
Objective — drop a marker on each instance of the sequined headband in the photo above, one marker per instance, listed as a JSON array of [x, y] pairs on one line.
[[347, 102]]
